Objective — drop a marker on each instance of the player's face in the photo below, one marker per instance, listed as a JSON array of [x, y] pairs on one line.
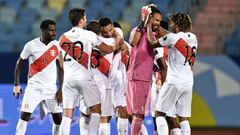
[[107, 31], [173, 27], [50, 32], [156, 19]]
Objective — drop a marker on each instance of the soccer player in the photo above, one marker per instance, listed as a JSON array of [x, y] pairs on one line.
[[118, 77], [175, 97], [77, 45], [159, 74], [139, 74], [43, 53]]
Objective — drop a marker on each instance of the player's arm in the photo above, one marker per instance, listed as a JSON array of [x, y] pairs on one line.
[[110, 48], [152, 42], [17, 71], [58, 96], [163, 68]]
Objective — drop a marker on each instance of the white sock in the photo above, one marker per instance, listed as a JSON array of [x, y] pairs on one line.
[[122, 126], [55, 129], [104, 129], [185, 127], [83, 124], [162, 126], [65, 126], [175, 131], [143, 130], [94, 124], [21, 127]]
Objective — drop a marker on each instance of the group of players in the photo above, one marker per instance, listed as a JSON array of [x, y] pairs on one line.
[[99, 71]]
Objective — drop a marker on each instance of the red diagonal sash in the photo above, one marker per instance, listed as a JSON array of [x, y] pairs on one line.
[[104, 64], [43, 61], [186, 50], [74, 51]]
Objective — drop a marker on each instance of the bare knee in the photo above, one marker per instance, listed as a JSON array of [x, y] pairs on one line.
[[68, 112], [157, 114], [95, 108], [122, 112], [182, 118], [172, 122]]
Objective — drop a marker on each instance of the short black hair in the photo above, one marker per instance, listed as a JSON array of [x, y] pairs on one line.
[[117, 25], [94, 26], [164, 24], [155, 10], [104, 21], [45, 23], [75, 15], [182, 21]]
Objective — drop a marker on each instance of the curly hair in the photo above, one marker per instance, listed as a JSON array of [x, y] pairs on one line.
[[182, 21]]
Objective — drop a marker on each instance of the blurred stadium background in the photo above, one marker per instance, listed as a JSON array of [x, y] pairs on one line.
[[216, 98]]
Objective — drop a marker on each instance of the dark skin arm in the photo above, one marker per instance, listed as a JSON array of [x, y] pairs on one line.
[[163, 68], [136, 38], [17, 71], [58, 95]]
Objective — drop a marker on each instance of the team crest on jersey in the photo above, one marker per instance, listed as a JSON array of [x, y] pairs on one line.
[[52, 52]]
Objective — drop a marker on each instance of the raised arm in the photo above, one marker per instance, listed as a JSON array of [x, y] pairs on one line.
[[110, 48], [153, 42]]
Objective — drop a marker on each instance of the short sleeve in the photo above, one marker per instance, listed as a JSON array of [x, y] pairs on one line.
[[132, 33], [94, 38], [25, 52], [107, 41], [167, 40], [158, 53]]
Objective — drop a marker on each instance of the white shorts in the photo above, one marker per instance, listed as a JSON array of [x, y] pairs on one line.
[[83, 107], [175, 100], [154, 98], [72, 90], [119, 91], [34, 96]]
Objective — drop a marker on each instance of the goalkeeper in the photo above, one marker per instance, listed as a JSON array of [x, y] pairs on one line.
[[140, 68]]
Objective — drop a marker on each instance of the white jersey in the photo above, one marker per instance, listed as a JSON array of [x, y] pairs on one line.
[[102, 63], [181, 55], [42, 63], [77, 47]]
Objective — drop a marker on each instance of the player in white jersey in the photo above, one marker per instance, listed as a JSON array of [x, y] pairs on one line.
[[118, 77], [175, 97], [43, 53], [77, 45]]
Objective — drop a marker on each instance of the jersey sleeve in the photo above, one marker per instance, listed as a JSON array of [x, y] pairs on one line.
[[25, 52], [132, 33], [167, 40], [107, 41], [158, 53], [94, 39]]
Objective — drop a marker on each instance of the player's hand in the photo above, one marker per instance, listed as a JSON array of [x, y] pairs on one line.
[[58, 96], [17, 90]]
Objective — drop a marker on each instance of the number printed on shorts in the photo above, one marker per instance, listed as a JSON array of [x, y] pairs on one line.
[[73, 49]]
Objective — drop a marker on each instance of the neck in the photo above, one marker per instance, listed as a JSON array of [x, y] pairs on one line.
[[44, 40]]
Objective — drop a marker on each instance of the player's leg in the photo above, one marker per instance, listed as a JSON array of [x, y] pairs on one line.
[[122, 122], [92, 99], [106, 110], [184, 109], [70, 95], [168, 96], [57, 119], [84, 119], [173, 126], [30, 101]]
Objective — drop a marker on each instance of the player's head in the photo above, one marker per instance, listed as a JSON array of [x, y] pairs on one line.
[[106, 27], [77, 17], [180, 22], [156, 17], [48, 28], [94, 26]]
